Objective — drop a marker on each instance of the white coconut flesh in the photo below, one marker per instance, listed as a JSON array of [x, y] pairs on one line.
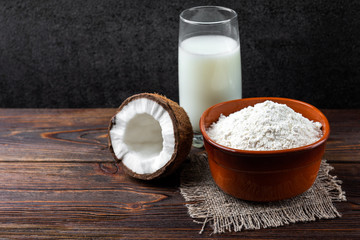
[[143, 136]]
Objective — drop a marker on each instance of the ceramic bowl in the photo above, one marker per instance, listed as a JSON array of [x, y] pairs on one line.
[[264, 175]]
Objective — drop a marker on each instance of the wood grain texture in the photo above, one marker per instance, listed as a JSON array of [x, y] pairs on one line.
[[58, 180]]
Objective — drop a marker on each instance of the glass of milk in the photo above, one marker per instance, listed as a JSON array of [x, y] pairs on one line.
[[209, 61]]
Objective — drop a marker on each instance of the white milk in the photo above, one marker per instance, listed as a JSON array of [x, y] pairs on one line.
[[209, 73]]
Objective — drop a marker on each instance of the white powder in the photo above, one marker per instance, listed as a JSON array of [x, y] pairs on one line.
[[266, 126]]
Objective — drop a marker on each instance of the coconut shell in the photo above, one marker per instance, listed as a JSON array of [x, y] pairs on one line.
[[183, 133]]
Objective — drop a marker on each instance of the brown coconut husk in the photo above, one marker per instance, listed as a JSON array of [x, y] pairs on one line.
[[182, 131]]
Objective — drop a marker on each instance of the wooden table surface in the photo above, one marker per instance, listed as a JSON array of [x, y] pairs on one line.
[[58, 180]]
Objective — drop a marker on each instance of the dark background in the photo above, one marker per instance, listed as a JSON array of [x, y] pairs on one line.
[[96, 53]]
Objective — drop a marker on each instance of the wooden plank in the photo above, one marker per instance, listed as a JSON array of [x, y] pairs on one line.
[[344, 141], [81, 135], [50, 135], [83, 199]]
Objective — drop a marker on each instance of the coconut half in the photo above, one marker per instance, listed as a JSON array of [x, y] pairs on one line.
[[150, 135]]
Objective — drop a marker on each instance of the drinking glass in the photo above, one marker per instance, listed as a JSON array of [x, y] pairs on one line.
[[209, 61]]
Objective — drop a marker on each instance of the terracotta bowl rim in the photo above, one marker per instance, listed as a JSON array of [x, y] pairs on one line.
[[322, 140]]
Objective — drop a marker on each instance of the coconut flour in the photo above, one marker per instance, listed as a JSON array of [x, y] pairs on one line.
[[265, 126]]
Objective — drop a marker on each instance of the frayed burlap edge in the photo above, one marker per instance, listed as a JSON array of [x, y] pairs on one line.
[[208, 204]]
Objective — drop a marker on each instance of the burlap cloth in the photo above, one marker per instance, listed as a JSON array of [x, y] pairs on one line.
[[206, 203]]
